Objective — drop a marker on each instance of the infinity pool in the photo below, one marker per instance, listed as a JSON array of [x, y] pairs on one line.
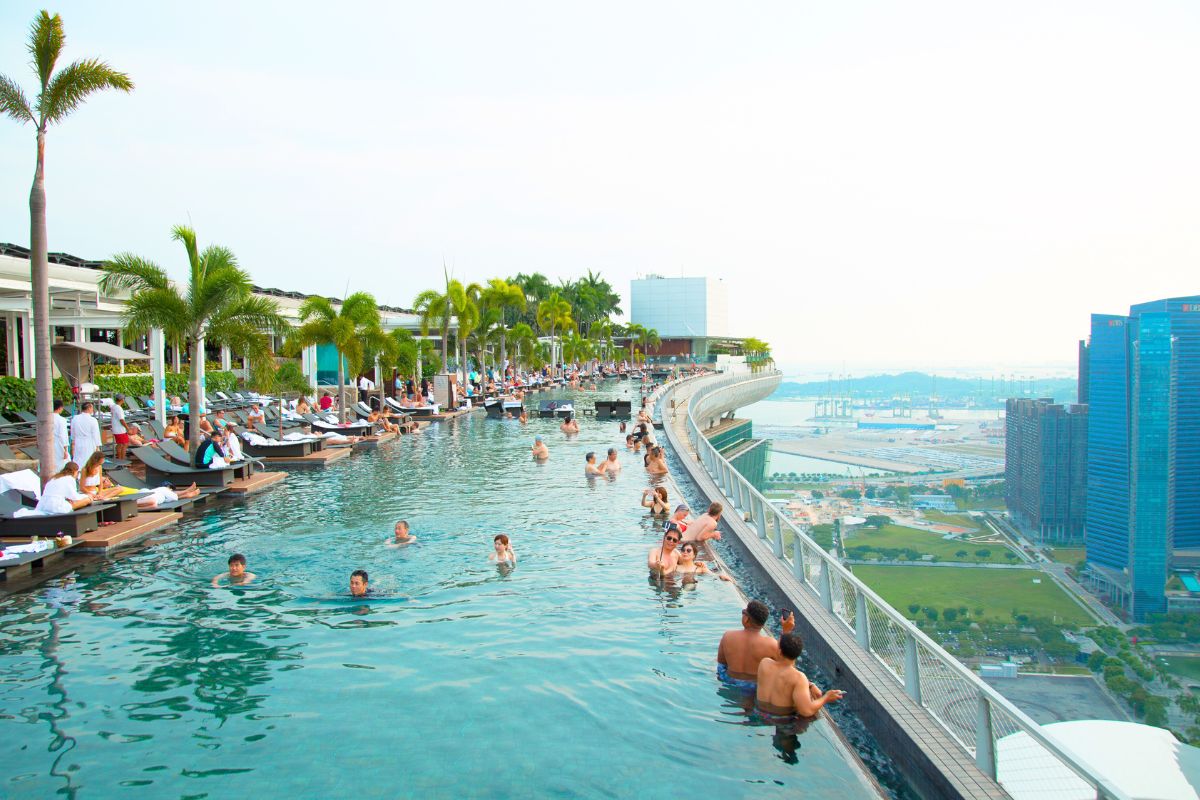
[[571, 675]]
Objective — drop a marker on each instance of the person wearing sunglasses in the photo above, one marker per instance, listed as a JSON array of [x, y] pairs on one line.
[[688, 567], [663, 559]]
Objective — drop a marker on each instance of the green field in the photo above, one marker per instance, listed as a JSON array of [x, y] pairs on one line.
[[942, 518], [927, 543], [1068, 555], [1187, 669], [996, 591]]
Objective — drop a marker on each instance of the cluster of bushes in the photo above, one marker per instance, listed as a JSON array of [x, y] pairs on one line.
[[886, 553], [1151, 708], [17, 394], [142, 367]]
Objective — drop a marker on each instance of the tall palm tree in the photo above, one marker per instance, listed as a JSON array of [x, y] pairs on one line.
[[58, 95], [648, 338], [525, 340], [505, 297], [554, 314], [350, 329], [433, 308], [466, 318], [219, 306]]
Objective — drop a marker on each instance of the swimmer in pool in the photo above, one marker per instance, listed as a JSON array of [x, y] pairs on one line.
[[539, 449], [656, 500], [742, 649], [402, 536], [358, 583], [663, 558], [590, 469], [524, 418], [570, 425], [689, 567], [783, 689], [237, 575], [502, 552], [611, 465]]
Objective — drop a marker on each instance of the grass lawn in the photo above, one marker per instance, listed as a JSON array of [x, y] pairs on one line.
[[821, 534], [996, 591], [942, 518], [926, 542], [1068, 555], [1187, 669], [980, 504]]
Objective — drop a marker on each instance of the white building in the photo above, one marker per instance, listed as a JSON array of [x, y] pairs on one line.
[[691, 315]]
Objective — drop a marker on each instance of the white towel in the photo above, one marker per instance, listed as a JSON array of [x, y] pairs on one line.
[[25, 479]]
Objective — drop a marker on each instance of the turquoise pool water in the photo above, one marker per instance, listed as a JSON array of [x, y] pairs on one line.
[[572, 675]]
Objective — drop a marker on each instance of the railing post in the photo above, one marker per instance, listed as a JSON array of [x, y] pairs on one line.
[[985, 754], [778, 537], [797, 554], [912, 668], [760, 518], [826, 585], [862, 623]]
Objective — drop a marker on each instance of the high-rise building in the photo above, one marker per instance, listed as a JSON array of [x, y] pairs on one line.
[[1046, 468], [1143, 475]]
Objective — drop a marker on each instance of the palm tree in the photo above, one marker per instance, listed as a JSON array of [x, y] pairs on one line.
[[503, 296], [349, 329], [466, 318], [576, 348], [219, 306], [59, 94], [554, 314], [525, 340], [434, 311]]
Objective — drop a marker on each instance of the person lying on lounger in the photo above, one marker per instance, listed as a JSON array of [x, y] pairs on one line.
[[165, 494]]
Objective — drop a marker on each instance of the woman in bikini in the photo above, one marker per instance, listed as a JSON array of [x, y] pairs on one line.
[[656, 500]]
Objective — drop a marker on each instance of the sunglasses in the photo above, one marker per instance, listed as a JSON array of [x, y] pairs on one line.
[[672, 538]]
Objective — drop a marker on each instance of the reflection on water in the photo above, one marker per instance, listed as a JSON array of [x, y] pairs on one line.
[[140, 679]]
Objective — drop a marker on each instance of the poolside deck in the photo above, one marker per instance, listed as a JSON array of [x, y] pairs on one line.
[[126, 532], [256, 483], [321, 458], [373, 442]]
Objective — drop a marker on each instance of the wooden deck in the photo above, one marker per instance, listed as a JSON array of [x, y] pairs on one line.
[[126, 532], [320, 458], [373, 442], [255, 483]]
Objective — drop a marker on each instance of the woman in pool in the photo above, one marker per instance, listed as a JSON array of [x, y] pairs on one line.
[[502, 552], [688, 567], [656, 500]]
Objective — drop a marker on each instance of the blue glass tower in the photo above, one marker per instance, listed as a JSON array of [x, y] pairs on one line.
[[1144, 444]]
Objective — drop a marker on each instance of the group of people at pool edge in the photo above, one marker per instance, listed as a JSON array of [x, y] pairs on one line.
[[748, 659]]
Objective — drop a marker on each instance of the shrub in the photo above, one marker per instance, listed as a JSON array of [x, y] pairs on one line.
[[16, 395]]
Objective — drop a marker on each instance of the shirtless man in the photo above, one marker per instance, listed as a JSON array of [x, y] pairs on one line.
[[237, 575], [704, 526], [741, 650], [402, 536], [783, 689], [591, 469], [539, 449], [358, 583], [611, 465], [663, 559], [569, 425]]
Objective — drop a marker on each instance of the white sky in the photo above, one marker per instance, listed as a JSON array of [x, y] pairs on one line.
[[907, 184]]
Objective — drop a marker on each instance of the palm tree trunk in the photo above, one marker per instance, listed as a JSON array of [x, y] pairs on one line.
[[39, 265], [195, 402], [503, 348], [341, 387]]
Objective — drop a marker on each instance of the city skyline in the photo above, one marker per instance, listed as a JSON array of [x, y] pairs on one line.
[[935, 187]]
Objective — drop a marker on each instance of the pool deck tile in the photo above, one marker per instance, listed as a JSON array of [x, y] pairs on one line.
[[126, 532], [255, 483], [320, 458]]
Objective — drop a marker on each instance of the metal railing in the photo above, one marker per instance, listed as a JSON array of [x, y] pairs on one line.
[[974, 714]]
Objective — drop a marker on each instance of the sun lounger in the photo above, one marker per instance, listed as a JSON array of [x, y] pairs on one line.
[[241, 469], [126, 478], [160, 468], [76, 523]]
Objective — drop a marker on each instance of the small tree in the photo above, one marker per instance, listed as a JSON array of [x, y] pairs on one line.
[[913, 608], [348, 329], [949, 614], [1095, 661], [985, 553], [932, 614], [878, 520]]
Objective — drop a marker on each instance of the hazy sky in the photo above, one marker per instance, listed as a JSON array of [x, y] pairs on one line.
[[909, 184]]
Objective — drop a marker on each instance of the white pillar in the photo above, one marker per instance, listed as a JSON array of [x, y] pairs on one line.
[[225, 358], [199, 367], [27, 345], [121, 343], [158, 375], [308, 365], [14, 358]]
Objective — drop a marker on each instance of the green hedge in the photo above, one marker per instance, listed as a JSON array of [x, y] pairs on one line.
[[17, 394]]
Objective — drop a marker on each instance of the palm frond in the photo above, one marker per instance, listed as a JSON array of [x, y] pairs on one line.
[[13, 101], [182, 233], [361, 308], [128, 271], [46, 40], [158, 308], [317, 308], [72, 85]]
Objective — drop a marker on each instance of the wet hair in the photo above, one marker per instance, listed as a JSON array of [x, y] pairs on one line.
[[502, 538], [687, 546], [612, 451], [758, 612], [237, 558], [96, 459], [403, 522], [791, 646], [359, 573], [715, 509], [591, 454], [661, 492], [629, 438]]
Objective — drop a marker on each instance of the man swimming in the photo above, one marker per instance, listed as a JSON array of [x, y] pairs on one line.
[[663, 559], [783, 689], [402, 536], [590, 468], [358, 583], [569, 425], [539, 449], [611, 465], [237, 575], [704, 526], [742, 649]]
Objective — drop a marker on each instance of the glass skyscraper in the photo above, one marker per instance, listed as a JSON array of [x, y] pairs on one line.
[[1143, 471]]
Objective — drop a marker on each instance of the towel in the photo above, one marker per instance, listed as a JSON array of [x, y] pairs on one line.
[[26, 480]]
